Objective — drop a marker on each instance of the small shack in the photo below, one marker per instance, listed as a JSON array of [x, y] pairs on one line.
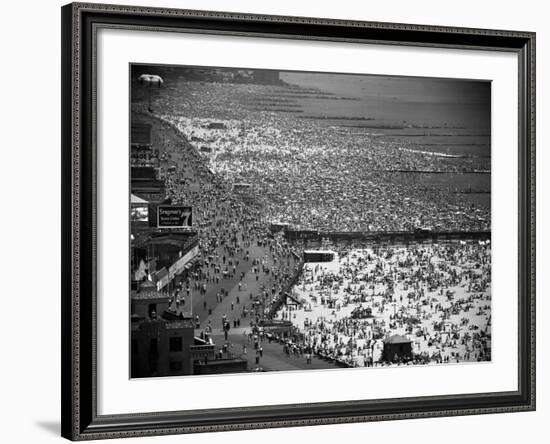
[[291, 302], [397, 348], [216, 125]]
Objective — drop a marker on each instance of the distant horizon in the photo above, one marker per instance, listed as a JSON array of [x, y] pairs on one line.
[[396, 99]]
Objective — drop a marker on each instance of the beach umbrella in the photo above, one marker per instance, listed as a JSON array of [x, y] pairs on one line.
[[150, 81]]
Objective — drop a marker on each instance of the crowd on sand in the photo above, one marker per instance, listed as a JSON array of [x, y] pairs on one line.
[[435, 296], [315, 176], [248, 171]]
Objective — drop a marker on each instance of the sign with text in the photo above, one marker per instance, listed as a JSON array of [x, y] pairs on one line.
[[174, 216]]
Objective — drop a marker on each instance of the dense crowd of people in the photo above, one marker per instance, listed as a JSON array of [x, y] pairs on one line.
[[253, 169], [437, 296], [230, 234], [316, 176]]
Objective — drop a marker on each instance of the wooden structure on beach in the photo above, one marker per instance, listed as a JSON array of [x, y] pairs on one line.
[[397, 348]]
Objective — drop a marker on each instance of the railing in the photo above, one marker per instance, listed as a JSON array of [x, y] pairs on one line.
[[389, 236], [201, 348], [290, 284]]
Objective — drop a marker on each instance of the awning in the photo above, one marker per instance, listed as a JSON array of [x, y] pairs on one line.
[[137, 200]]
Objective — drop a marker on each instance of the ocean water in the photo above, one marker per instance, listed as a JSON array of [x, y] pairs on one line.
[[438, 115]]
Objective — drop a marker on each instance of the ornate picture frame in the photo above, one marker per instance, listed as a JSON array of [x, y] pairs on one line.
[[80, 316]]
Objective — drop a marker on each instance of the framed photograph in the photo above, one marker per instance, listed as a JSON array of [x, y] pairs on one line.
[[278, 221]]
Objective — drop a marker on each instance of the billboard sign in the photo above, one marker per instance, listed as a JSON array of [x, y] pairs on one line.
[[174, 216]]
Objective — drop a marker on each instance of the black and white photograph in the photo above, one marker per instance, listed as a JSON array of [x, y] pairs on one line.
[[292, 220], [275, 222]]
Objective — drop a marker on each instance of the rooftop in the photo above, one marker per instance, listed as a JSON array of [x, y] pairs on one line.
[[176, 239], [183, 323], [397, 339], [137, 200], [145, 294]]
